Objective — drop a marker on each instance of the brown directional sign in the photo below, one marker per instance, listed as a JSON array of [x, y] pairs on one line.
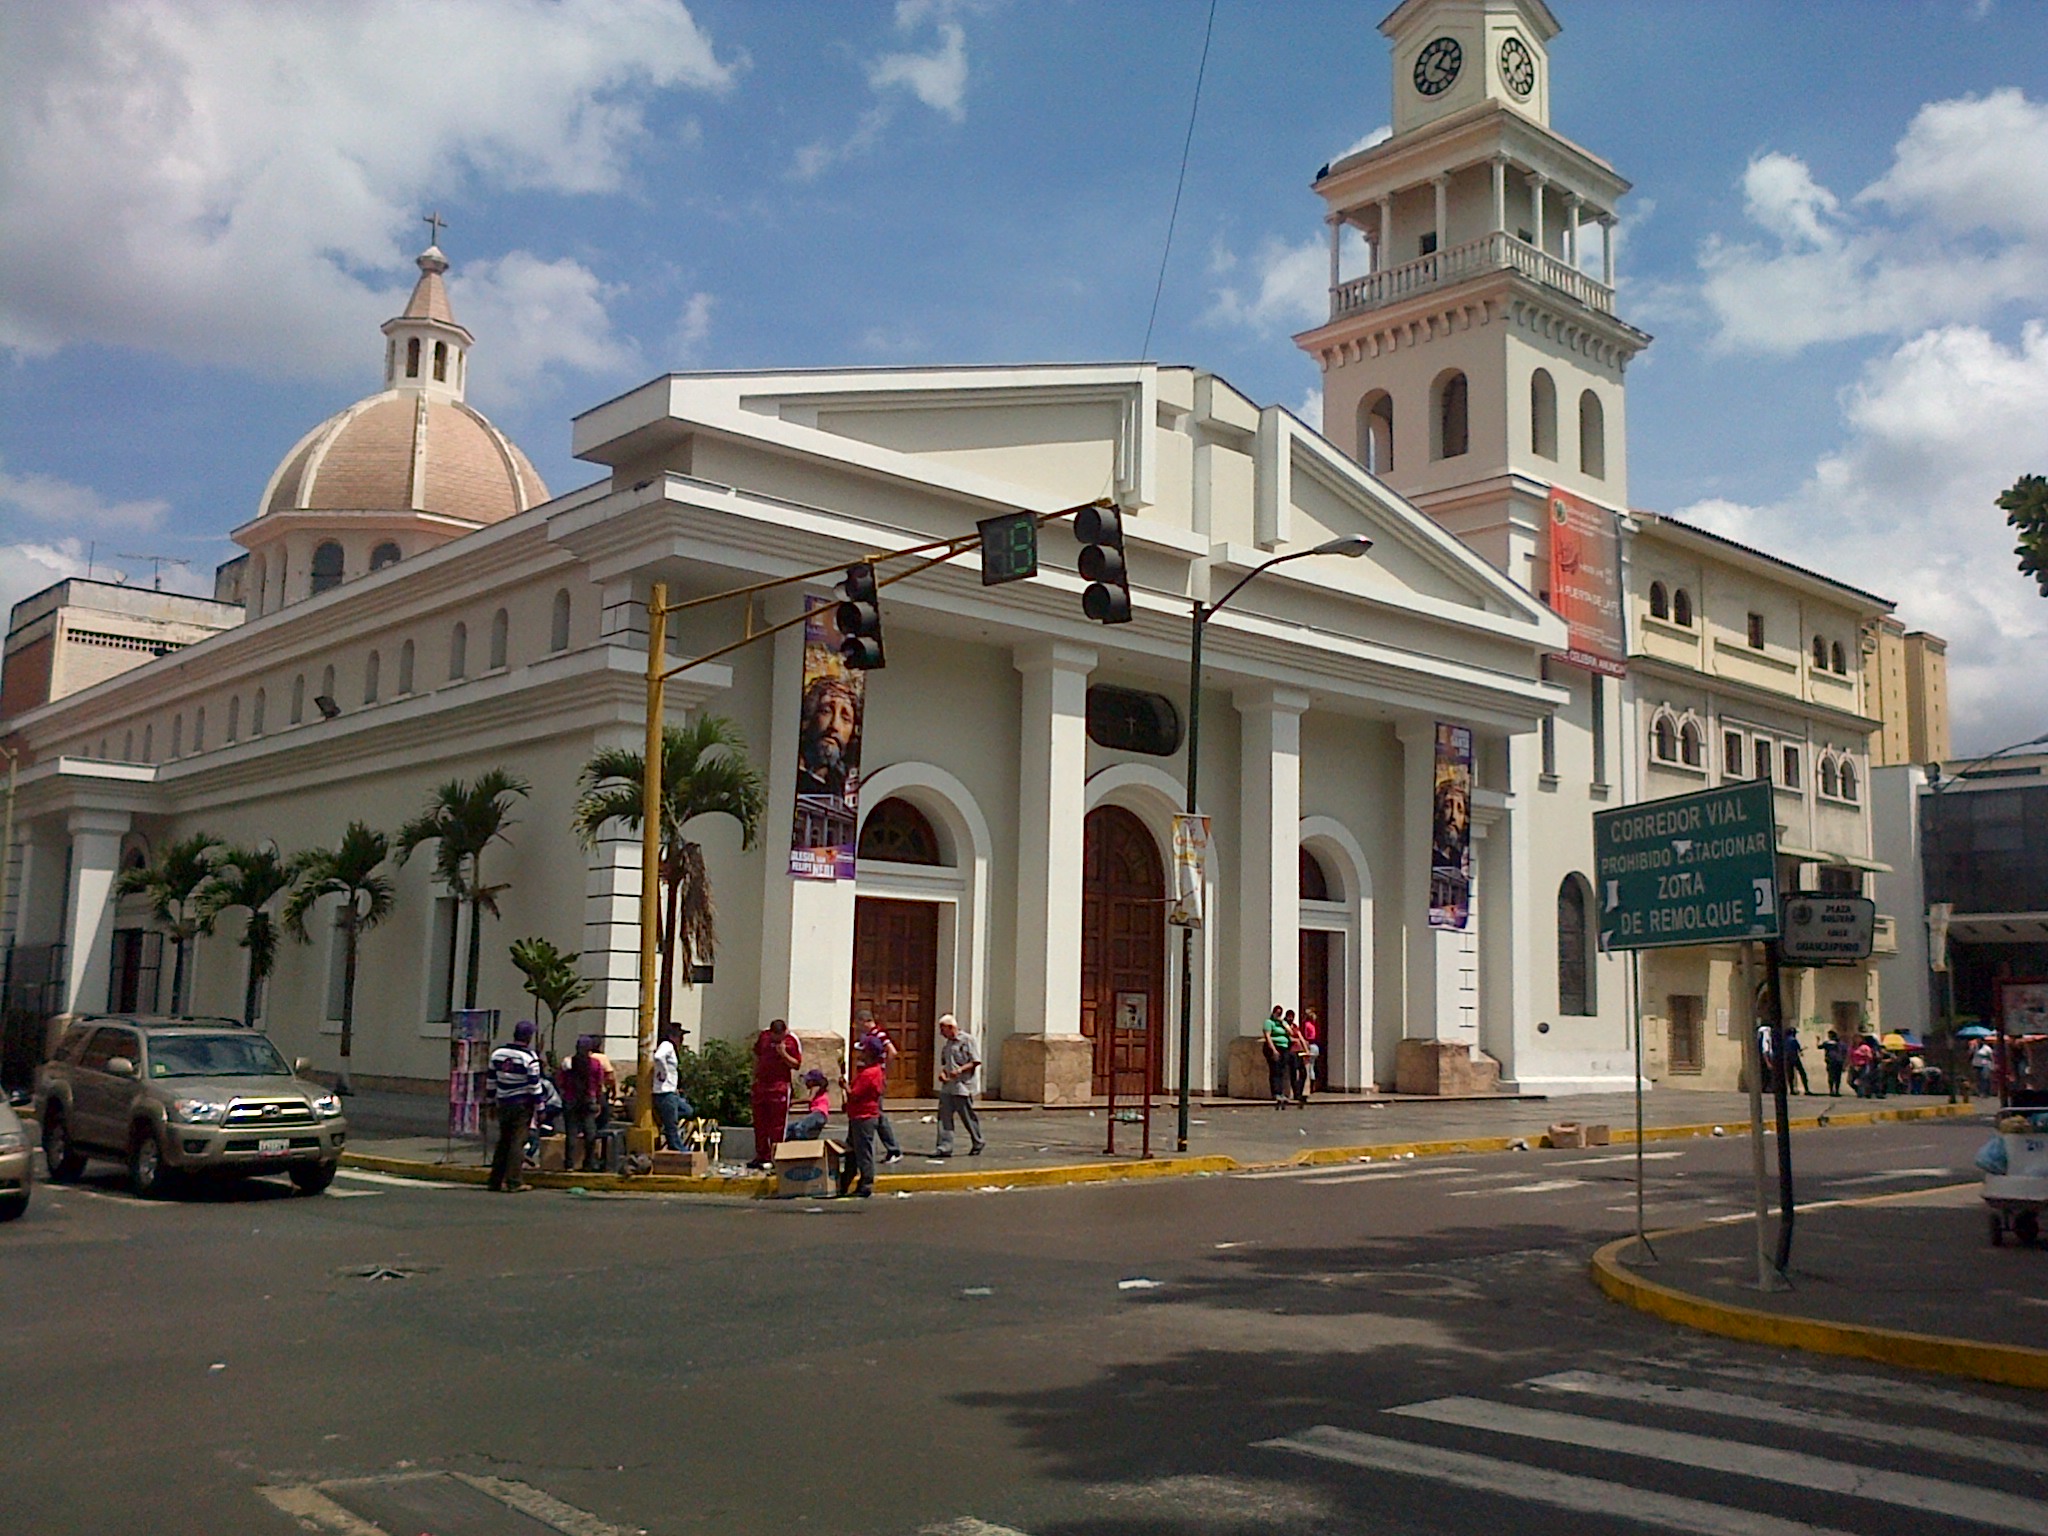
[[1693, 869]]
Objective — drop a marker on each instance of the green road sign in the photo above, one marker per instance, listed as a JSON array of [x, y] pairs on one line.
[[1693, 869]]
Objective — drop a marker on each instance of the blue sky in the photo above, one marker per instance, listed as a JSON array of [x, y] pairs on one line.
[[1839, 237]]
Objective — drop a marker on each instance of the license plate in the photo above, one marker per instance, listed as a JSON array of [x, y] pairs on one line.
[[273, 1146]]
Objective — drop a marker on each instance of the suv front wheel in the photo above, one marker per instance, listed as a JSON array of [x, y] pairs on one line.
[[64, 1160], [148, 1174], [313, 1178]]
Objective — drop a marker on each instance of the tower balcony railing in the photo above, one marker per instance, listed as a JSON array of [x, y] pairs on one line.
[[1495, 252]]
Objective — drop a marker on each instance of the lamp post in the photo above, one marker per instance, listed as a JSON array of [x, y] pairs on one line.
[[1938, 785], [1350, 546]]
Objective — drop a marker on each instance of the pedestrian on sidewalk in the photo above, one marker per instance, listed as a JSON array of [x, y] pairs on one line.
[[583, 1087], [810, 1125], [1278, 1072], [1767, 1057], [863, 1117], [1795, 1061], [1312, 1047], [777, 1055], [516, 1077], [1832, 1056], [1861, 1058], [670, 1107], [959, 1063], [1980, 1062], [1297, 1061], [884, 1046]]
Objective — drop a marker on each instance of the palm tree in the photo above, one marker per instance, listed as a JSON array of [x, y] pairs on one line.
[[252, 878], [704, 772], [349, 871], [552, 980], [464, 820], [175, 886]]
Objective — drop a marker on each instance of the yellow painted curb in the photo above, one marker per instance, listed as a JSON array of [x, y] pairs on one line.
[[2010, 1365]]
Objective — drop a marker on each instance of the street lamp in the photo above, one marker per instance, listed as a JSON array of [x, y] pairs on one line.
[[1938, 785], [1351, 546]]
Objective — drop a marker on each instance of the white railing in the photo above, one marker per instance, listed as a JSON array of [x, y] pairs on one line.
[[1497, 252]]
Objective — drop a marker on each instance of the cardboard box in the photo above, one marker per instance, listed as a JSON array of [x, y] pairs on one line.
[[1567, 1133], [803, 1171], [551, 1154], [1597, 1136], [694, 1165]]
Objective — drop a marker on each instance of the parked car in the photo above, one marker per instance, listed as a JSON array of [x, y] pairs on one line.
[[17, 1164], [184, 1096]]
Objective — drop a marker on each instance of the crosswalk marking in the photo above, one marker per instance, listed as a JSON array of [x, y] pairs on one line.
[[1540, 1187], [1876, 1388], [1763, 1411], [1768, 1463], [372, 1176], [1539, 1485], [1610, 1157], [1374, 1178]]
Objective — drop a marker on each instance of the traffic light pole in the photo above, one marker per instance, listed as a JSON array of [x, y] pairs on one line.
[[1187, 935]]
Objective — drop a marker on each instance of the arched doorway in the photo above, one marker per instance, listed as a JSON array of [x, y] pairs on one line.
[[1123, 942], [896, 947], [1316, 945]]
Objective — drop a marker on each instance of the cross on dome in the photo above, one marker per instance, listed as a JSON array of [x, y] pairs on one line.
[[436, 223]]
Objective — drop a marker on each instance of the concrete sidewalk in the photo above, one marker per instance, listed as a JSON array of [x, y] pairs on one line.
[[1910, 1280], [1035, 1143]]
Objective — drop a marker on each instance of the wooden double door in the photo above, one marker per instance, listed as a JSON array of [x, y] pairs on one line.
[[1123, 947], [896, 973]]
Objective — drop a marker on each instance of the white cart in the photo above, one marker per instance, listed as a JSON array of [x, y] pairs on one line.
[[2016, 1198]]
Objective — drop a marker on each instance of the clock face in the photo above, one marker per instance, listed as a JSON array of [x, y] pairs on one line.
[[1437, 66], [1518, 67]]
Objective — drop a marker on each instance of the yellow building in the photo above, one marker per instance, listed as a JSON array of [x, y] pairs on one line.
[[1909, 678]]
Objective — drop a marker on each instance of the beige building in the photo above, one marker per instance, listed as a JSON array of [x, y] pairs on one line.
[[1744, 666], [1910, 678], [80, 632]]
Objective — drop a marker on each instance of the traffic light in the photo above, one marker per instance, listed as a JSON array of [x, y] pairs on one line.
[[859, 620], [1101, 532]]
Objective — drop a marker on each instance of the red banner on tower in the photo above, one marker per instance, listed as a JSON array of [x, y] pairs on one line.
[[1585, 583]]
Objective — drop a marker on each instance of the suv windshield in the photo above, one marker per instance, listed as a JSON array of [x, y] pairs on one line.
[[215, 1056]]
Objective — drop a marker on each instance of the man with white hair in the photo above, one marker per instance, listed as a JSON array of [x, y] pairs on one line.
[[958, 1065]]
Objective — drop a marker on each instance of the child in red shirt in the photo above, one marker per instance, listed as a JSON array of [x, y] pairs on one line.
[[863, 1114]]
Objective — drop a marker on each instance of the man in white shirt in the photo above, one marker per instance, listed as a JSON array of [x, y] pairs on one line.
[[670, 1107], [958, 1066]]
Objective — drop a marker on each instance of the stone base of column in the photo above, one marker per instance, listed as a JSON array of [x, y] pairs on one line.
[[1048, 1069], [825, 1050], [1444, 1067]]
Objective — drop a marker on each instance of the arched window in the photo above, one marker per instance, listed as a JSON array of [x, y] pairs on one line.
[[234, 719], [1691, 745], [412, 358], [370, 670], [1848, 780], [1820, 654], [1574, 949], [1660, 601], [298, 698], [1315, 880], [501, 636], [1543, 414], [326, 567], [326, 682], [199, 729], [405, 668], [128, 745], [898, 833], [177, 736], [441, 361], [256, 714], [1681, 607], [558, 626], [458, 651], [1664, 739], [149, 742], [1837, 662], [1376, 433], [390, 360], [1830, 780], [259, 581], [1592, 436], [385, 554], [1449, 430]]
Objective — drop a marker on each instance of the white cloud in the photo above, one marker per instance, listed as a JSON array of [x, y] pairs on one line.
[[1379, 135], [1292, 287], [1935, 430], [1955, 229], [693, 326], [25, 569], [46, 499], [1310, 409], [213, 178], [537, 316], [938, 79], [814, 159]]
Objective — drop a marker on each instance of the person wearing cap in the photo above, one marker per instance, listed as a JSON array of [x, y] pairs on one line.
[[516, 1076], [810, 1125], [863, 1113], [958, 1065], [670, 1107], [867, 1031]]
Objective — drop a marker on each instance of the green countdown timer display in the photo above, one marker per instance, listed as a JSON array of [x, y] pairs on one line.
[[1009, 548]]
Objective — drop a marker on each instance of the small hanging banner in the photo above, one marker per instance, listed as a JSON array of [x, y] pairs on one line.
[[1585, 583], [1190, 864], [1450, 841], [821, 839]]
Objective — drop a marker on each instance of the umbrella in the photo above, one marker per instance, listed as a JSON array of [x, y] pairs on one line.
[[1897, 1043], [1973, 1032]]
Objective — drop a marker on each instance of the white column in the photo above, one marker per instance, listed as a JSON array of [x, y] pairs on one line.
[[1537, 182], [1419, 940], [1442, 184], [1500, 193], [1386, 242], [1269, 850], [1607, 250], [89, 910], [611, 940], [1051, 801], [1571, 235]]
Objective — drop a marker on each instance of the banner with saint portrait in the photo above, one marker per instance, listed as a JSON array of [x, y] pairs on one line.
[[1450, 838], [821, 839]]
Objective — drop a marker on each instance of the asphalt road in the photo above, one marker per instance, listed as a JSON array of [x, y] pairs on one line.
[[1384, 1349]]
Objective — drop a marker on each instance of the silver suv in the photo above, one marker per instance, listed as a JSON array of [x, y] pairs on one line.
[[172, 1096]]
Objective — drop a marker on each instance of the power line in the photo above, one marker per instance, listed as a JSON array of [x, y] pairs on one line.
[[1180, 182]]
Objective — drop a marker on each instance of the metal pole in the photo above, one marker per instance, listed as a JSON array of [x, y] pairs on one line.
[[1780, 1091], [641, 1138], [1753, 1058], [1635, 969], [1187, 935]]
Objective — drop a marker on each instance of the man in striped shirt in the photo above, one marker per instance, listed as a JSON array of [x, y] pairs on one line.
[[515, 1088]]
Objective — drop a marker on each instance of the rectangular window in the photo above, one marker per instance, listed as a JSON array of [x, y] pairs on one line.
[[1548, 732], [1790, 776], [1756, 631], [1760, 756], [1688, 1033], [1429, 244], [1840, 880], [441, 961], [337, 968], [1731, 754], [1599, 730]]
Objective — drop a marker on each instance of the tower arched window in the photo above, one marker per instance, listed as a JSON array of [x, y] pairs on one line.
[[1692, 745], [1450, 430], [1574, 949], [371, 669], [326, 685], [405, 654], [1660, 601], [327, 566], [128, 745], [458, 651], [1592, 436], [1837, 662], [1543, 414], [1820, 654], [177, 736], [1681, 608], [1848, 780], [1664, 739], [412, 358], [558, 626], [501, 639], [1376, 432], [234, 719], [256, 713], [1830, 778], [298, 698], [259, 586], [441, 361], [199, 729], [149, 742], [387, 553]]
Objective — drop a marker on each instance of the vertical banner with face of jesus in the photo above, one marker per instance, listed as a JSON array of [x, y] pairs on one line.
[[821, 840], [1450, 839]]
